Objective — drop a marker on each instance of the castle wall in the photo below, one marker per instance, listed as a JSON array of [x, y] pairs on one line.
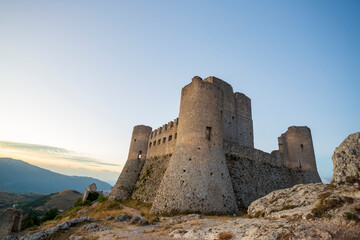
[[255, 173], [162, 141], [244, 121], [150, 178], [297, 148], [10, 221], [197, 178], [136, 158], [236, 115]]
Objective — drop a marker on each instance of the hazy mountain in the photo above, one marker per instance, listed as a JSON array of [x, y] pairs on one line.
[[20, 177]]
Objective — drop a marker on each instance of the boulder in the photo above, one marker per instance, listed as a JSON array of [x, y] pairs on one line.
[[346, 160]]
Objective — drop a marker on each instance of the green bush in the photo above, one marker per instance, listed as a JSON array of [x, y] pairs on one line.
[[351, 216], [50, 214], [79, 202], [92, 196], [102, 198], [30, 220]]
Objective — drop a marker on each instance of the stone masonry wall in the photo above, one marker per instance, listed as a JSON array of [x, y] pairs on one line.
[[150, 178], [255, 173], [10, 221]]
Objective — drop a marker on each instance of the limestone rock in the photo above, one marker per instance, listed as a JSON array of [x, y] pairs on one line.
[[62, 226], [122, 218], [301, 195], [346, 160]]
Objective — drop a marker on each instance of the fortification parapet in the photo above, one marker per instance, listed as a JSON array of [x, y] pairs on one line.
[[136, 158], [197, 178]]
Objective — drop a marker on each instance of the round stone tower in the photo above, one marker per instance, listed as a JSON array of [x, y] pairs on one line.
[[197, 178], [134, 163]]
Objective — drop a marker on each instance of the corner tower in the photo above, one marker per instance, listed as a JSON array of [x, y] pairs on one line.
[[134, 163], [197, 178], [297, 150]]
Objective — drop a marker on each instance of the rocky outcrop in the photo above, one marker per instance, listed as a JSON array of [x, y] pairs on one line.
[[10, 221], [91, 188], [62, 226], [346, 160]]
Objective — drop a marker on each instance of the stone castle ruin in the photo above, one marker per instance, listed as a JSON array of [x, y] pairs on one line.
[[205, 160]]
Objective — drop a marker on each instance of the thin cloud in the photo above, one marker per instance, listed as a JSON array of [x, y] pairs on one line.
[[53, 152]]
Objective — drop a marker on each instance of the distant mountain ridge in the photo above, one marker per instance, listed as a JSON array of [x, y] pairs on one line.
[[21, 177]]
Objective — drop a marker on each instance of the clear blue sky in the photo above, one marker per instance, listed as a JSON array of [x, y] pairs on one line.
[[79, 75]]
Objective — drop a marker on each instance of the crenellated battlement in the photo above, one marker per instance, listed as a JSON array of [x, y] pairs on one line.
[[162, 140]]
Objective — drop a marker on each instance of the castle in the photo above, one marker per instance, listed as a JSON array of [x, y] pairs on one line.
[[205, 161]]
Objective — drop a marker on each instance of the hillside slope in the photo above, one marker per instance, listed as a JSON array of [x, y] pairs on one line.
[[7, 199], [20, 177], [61, 200]]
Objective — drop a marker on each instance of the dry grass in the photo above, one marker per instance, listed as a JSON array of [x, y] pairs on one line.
[[225, 235], [326, 204], [143, 208], [105, 209]]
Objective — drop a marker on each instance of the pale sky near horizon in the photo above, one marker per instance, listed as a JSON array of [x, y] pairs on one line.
[[78, 75]]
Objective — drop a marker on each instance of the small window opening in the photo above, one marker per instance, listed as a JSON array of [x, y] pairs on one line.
[[233, 117], [135, 140], [164, 139], [150, 145], [154, 143], [139, 156], [175, 135], [302, 147], [159, 141], [208, 133], [170, 138]]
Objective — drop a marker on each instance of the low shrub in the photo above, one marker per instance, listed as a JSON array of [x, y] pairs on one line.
[[102, 198], [50, 214], [351, 216]]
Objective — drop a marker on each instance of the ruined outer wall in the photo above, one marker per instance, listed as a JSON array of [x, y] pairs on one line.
[[297, 149], [197, 178], [163, 140], [255, 173], [244, 121], [134, 164], [150, 178], [10, 221]]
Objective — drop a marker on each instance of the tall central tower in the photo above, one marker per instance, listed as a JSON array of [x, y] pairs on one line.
[[197, 178]]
